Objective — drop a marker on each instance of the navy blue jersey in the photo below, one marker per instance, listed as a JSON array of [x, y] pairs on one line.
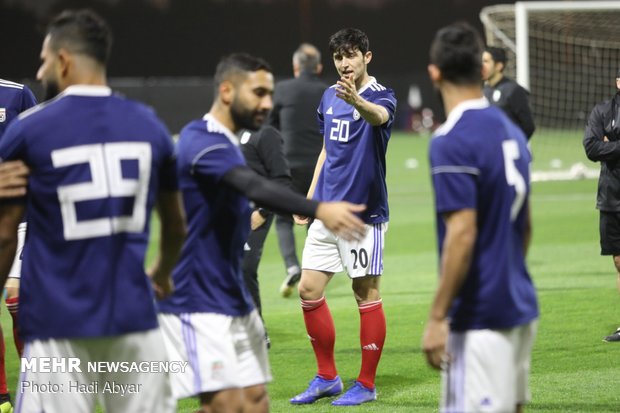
[[208, 276], [14, 99], [97, 161], [480, 160], [354, 169]]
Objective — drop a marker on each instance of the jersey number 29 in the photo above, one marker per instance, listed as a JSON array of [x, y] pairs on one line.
[[106, 181]]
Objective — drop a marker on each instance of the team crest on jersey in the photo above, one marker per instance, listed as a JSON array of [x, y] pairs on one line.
[[2, 114], [356, 114], [496, 95]]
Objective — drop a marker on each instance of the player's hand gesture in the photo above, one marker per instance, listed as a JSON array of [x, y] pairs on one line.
[[13, 179], [346, 90], [434, 342], [340, 218]]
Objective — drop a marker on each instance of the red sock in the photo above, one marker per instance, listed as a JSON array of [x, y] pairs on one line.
[[3, 388], [372, 337], [13, 305], [320, 328]]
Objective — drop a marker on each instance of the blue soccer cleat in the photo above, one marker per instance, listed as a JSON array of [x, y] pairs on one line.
[[357, 394], [318, 388]]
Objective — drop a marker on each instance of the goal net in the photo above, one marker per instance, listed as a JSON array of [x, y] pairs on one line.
[[567, 55]]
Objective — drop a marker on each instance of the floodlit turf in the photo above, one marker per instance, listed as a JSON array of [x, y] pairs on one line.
[[573, 370]]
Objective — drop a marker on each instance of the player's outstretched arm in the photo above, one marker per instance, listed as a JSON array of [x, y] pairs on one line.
[[10, 216], [458, 248], [340, 216], [172, 235], [13, 179]]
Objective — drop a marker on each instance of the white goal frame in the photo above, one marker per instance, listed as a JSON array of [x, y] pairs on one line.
[[521, 11]]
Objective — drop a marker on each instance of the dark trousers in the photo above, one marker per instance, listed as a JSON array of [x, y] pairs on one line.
[[251, 259], [301, 179]]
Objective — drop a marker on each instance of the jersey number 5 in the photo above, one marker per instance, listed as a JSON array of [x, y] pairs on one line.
[[513, 176], [106, 181]]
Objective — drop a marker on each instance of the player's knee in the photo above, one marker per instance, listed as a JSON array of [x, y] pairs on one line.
[[617, 263], [256, 400]]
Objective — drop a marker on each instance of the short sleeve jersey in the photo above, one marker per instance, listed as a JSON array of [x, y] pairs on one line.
[[97, 162], [14, 99], [355, 167], [208, 276], [480, 160]]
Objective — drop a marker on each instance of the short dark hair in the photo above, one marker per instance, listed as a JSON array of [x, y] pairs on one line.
[[497, 53], [81, 31], [347, 40], [237, 64], [457, 52]]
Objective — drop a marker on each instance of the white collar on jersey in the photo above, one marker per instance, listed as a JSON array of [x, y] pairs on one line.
[[458, 111], [87, 90], [214, 125], [366, 85]]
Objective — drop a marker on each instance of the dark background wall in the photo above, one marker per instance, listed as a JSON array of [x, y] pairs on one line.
[[185, 38]]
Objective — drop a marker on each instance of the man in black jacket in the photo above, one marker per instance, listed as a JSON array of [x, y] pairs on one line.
[[263, 153], [602, 144], [504, 92], [295, 102]]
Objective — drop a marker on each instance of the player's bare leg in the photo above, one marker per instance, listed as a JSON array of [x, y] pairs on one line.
[[224, 401], [615, 336], [12, 304], [255, 399]]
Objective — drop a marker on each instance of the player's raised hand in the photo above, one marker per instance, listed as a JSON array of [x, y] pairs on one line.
[[346, 90], [13, 179], [434, 342], [340, 218]]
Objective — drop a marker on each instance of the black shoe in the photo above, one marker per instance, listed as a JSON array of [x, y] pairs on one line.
[[615, 336]]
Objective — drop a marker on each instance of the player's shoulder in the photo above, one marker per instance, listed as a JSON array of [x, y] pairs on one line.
[[9, 86], [207, 131]]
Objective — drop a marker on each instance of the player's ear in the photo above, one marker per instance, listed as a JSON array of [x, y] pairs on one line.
[[64, 63], [227, 91], [434, 73], [368, 57]]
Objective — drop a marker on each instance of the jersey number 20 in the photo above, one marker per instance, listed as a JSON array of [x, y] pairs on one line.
[[107, 181]]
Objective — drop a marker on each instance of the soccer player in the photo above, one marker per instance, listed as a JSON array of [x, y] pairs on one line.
[[355, 117], [210, 320], [601, 142], [504, 92], [482, 321], [98, 164], [294, 114], [14, 99]]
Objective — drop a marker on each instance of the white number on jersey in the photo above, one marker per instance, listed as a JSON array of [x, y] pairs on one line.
[[107, 180], [339, 131], [513, 177]]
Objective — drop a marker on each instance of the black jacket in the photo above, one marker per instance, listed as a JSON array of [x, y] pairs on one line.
[[295, 103], [604, 120], [513, 100]]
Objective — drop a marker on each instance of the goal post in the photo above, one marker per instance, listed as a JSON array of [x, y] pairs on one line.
[[566, 53]]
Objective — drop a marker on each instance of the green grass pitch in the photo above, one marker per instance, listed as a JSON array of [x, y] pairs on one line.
[[573, 370]]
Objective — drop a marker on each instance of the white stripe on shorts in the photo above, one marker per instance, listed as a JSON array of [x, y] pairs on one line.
[[189, 337]]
